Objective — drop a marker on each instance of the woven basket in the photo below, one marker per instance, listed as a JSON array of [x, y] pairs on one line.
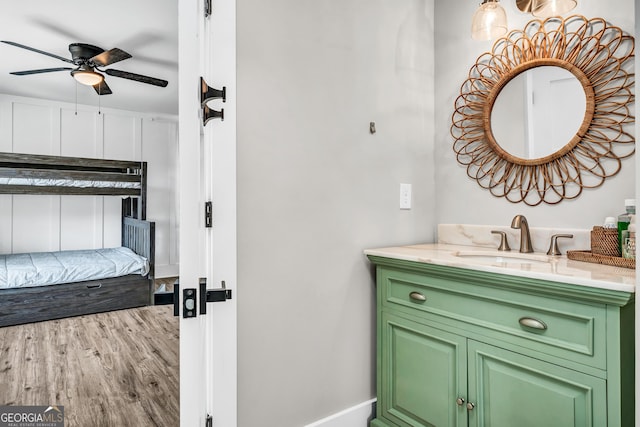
[[588, 256], [604, 241]]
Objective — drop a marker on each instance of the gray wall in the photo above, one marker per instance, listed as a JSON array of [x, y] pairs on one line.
[[315, 189], [464, 201]]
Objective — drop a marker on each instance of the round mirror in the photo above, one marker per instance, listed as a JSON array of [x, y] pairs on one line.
[[538, 112], [548, 111]]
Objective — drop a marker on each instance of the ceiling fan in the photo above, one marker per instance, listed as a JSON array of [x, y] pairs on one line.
[[87, 58]]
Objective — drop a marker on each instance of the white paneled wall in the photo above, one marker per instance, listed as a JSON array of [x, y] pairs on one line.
[[51, 223]]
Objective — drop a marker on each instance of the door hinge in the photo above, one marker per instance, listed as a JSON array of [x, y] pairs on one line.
[[208, 214], [209, 421], [212, 295], [207, 8]]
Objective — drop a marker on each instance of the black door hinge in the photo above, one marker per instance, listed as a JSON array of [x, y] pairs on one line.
[[212, 295], [208, 214], [207, 8], [209, 421]]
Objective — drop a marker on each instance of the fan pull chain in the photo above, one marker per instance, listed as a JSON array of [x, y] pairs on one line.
[[99, 98], [76, 98]]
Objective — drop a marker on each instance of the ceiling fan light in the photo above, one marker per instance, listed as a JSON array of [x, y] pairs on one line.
[[549, 8], [489, 21], [87, 77]]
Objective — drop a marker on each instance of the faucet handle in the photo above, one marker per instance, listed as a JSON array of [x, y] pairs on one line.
[[504, 244], [553, 247]]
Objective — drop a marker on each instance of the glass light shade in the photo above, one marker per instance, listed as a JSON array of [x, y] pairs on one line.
[[489, 21], [87, 77], [549, 8]]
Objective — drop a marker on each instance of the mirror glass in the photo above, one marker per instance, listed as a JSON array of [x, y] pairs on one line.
[[538, 112]]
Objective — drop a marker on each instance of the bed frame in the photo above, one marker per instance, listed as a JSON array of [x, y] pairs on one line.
[[25, 305]]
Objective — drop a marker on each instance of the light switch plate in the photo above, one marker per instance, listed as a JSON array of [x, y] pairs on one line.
[[405, 196]]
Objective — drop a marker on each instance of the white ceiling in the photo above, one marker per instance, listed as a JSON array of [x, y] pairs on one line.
[[146, 29]]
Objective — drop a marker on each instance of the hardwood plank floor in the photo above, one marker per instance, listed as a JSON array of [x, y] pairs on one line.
[[111, 369]]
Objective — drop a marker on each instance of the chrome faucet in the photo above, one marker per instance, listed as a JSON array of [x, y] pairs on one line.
[[519, 221]]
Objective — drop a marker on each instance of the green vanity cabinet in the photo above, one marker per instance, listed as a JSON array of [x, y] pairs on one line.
[[459, 347]]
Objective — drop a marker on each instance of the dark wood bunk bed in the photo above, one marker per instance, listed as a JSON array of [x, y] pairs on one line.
[[99, 177]]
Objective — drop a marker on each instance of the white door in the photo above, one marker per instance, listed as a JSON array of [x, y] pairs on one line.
[[207, 173]]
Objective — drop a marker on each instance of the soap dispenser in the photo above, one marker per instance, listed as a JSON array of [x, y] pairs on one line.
[[624, 220], [629, 239]]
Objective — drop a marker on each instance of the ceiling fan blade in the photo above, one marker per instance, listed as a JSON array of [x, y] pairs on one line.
[[42, 70], [102, 88], [109, 57], [37, 51], [137, 77]]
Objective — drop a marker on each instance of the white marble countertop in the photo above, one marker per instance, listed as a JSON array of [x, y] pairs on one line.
[[540, 266]]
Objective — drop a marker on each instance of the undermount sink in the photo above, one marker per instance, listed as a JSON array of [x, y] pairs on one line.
[[503, 257]]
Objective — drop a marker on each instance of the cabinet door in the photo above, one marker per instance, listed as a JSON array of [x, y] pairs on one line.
[[509, 389], [421, 373]]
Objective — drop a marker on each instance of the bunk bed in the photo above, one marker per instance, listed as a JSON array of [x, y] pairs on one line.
[[65, 297]]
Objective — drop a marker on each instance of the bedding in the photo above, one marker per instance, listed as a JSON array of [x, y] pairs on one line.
[[41, 182], [51, 268]]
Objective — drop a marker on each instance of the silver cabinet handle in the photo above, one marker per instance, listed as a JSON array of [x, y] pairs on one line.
[[470, 406], [98, 286], [530, 322], [460, 401], [417, 296]]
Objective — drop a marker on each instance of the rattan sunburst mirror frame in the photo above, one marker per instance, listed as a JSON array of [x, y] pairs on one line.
[[600, 57]]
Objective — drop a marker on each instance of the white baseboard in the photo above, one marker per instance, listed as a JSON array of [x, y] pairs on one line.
[[356, 416]]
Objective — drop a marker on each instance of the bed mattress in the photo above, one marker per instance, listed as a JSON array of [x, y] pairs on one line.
[[52, 268], [68, 183]]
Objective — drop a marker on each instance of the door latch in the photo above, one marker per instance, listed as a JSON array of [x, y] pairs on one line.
[[189, 303], [166, 298], [212, 295]]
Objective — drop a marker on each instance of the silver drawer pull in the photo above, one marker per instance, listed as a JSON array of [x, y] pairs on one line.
[[98, 286], [530, 322], [417, 296]]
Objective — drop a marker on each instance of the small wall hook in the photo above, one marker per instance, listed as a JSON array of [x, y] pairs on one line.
[[208, 93], [209, 114]]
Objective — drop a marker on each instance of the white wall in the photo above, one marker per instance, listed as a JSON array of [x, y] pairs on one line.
[[459, 198], [315, 189], [51, 223]]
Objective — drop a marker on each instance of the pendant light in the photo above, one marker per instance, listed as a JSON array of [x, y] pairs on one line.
[[489, 21], [546, 8]]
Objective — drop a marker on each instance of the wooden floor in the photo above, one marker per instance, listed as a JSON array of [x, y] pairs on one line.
[[110, 369]]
